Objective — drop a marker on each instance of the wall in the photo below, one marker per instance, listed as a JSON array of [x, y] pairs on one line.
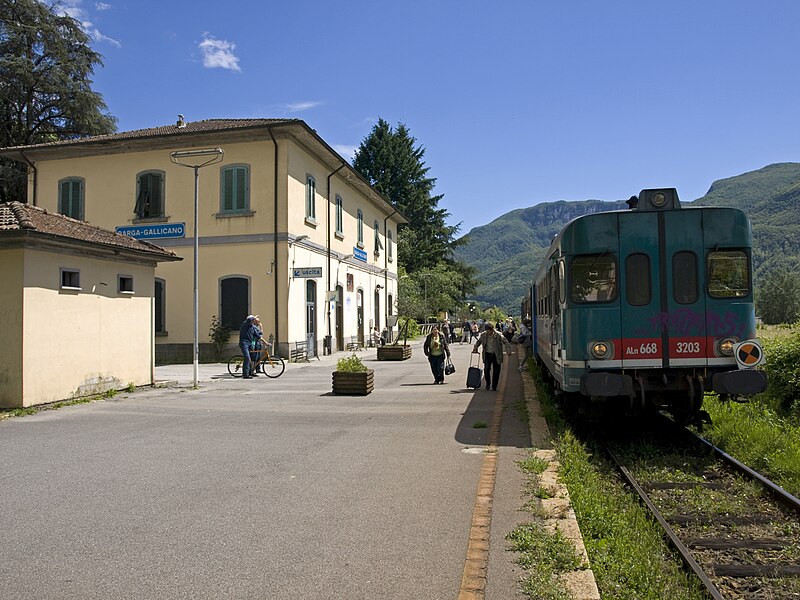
[[11, 318], [77, 343]]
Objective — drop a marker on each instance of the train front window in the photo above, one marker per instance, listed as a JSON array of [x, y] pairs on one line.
[[728, 274], [637, 279], [593, 279]]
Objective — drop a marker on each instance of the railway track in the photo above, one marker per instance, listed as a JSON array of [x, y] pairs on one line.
[[738, 531]]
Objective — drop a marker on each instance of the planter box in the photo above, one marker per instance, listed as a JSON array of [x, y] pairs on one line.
[[353, 384], [397, 352]]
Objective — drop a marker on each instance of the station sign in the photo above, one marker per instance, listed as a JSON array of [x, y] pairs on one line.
[[154, 232], [307, 272], [360, 254]]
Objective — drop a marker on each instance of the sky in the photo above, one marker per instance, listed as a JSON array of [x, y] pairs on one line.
[[516, 102]]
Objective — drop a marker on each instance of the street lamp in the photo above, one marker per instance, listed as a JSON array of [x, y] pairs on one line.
[[196, 159]]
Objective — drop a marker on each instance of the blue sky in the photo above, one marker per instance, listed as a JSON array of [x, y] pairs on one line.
[[516, 102]]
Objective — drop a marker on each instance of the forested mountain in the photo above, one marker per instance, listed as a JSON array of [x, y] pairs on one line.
[[507, 251]]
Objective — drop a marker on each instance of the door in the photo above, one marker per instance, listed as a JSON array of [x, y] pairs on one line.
[[311, 317], [360, 315], [339, 317]]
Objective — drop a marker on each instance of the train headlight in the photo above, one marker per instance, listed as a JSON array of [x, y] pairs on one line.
[[725, 346], [601, 349], [659, 199]]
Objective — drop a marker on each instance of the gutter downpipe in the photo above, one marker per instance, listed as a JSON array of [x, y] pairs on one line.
[[35, 175], [328, 288], [386, 274], [275, 270]]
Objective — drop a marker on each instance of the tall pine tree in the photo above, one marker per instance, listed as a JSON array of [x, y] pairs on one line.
[[389, 159], [45, 85]]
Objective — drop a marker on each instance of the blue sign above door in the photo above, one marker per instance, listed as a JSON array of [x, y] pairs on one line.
[[360, 254]]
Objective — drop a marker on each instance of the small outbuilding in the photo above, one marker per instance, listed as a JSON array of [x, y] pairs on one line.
[[76, 307]]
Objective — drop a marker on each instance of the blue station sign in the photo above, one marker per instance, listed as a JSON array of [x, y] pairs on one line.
[[360, 254], [153, 232]]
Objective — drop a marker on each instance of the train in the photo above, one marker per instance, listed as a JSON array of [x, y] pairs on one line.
[[648, 308]]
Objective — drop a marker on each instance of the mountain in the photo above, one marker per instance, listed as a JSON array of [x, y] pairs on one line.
[[507, 251]]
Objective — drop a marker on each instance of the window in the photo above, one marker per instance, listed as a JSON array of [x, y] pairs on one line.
[[235, 192], [637, 279], [70, 197], [149, 195], [70, 279], [378, 243], [234, 301], [728, 274], [390, 304], [339, 215], [311, 199], [389, 240], [684, 277], [593, 279], [161, 305], [360, 229], [125, 284]]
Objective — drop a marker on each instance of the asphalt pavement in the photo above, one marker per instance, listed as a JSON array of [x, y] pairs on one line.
[[262, 488]]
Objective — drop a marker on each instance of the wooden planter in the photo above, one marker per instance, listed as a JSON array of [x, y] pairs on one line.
[[353, 384], [393, 352]]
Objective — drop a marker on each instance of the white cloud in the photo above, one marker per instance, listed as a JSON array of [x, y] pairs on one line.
[[301, 106], [349, 152], [218, 54], [74, 9]]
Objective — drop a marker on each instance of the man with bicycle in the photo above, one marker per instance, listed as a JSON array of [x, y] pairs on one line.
[[249, 334]]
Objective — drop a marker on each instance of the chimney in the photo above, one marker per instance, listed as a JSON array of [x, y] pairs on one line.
[[181, 123]]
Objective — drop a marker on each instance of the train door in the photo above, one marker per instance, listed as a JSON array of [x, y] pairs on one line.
[[685, 299], [640, 344]]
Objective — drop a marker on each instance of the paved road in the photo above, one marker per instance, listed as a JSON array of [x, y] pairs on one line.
[[258, 489]]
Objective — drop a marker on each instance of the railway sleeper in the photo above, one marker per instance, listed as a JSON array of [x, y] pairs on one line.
[[728, 543], [772, 570]]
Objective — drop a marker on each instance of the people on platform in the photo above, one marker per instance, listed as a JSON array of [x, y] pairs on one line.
[[436, 349], [249, 335], [493, 345]]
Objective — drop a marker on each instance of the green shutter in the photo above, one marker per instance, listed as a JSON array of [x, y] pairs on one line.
[[241, 188], [227, 190]]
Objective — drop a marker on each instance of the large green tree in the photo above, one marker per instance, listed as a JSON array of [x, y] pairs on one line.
[[390, 159], [45, 85], [778, 297]]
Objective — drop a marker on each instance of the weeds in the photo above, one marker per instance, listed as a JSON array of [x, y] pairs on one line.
[[479, 425]]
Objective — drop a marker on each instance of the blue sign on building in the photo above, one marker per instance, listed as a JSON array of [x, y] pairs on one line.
[[360, 254], [152, 232]]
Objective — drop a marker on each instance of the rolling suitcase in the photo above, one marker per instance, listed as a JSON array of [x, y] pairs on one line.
[[474, 373]]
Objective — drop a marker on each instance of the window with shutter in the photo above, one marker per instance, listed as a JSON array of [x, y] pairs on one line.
[[234, 301], [70, 197], [149, 195], [235, 188]]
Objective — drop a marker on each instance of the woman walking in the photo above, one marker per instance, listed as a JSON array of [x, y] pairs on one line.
[[436, 348]]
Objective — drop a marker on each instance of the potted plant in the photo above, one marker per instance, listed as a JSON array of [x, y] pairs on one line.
[[352, 377], [395, 351]]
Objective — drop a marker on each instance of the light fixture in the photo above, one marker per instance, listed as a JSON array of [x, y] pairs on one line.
[[207, 156], [299, 238]]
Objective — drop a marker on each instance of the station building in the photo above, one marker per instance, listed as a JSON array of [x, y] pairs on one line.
[[287, 229]]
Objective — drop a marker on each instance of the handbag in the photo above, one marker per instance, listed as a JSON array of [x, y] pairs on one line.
[[449, 367]]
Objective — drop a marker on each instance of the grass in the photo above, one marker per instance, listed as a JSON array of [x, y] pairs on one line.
[[7, 413], [627, 552], [479, 425], [754, 434]]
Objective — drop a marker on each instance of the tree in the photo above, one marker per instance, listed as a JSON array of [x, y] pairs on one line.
[[389, 160], [778, 297], [45, 85]]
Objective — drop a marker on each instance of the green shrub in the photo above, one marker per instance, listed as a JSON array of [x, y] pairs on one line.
[[220, 335], [413, 327], [351, 364], [783, 372]]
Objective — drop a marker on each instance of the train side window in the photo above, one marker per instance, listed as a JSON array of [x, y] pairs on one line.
[[593, 279], [637, 279], [728, 274], [684, 277]]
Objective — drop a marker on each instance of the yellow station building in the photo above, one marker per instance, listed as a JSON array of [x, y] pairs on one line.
[[287, 229]]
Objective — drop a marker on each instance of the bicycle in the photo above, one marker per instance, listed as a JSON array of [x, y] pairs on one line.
[[269, 365]]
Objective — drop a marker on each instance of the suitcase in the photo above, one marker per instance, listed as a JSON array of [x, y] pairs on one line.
[[474, 373]]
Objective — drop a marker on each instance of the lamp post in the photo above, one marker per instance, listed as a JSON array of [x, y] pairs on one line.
[[206, 157]]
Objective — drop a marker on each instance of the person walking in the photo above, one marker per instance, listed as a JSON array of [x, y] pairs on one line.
[[249, 334], [436, 348], [526, 341], [466, 328], [493, 345]]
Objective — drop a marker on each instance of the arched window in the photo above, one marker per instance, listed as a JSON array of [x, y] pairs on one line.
[[234, 301]]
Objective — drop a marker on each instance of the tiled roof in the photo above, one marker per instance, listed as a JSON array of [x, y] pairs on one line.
[[189, 128], [18, 217]]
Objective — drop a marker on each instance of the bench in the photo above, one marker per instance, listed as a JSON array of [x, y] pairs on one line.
[[300, 352], [354, 344]]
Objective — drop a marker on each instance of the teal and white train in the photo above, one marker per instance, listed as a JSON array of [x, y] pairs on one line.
[[649, 307]]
